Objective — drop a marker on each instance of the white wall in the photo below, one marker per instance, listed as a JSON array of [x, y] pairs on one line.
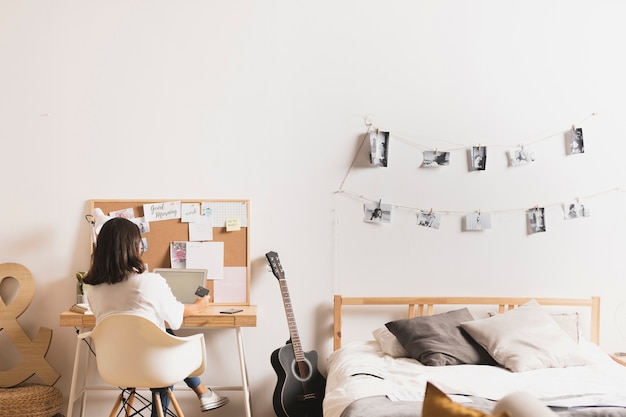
[[267, 100]]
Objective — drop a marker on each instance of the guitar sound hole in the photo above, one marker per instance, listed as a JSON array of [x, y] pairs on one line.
[[295, 370]]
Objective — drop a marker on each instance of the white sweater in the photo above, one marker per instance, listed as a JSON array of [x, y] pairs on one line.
[[146, 295]]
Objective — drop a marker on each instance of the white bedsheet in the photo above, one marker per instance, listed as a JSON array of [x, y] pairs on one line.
[[361, 369]]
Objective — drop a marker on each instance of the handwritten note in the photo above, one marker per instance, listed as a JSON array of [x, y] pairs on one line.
[[201, 229], [206, 255], [190, 212], [232, 225], [162, 211]]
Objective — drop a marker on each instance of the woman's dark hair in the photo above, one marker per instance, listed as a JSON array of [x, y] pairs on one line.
[[117, 253]]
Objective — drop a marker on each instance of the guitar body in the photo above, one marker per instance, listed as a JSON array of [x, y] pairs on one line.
[[296, 395]]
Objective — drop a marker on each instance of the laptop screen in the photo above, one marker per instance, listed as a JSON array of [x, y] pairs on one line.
[[183, 282]]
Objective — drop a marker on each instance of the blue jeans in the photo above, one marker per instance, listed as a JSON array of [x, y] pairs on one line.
[[192, 382]]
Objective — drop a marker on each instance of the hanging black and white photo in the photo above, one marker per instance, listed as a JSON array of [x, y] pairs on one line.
[[428, 219], [536, 220], [520, 156], [379, 148], [434, 158], [478, 221], [575, 210], [478, 154], [575, 141], [377, 213]]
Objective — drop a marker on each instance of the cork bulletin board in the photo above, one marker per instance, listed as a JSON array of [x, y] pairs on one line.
[[234, 288]]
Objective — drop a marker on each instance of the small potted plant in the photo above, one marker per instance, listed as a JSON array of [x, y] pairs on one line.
[[81, 288]]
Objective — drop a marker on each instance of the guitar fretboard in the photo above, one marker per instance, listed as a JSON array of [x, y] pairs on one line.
[[291, 321]]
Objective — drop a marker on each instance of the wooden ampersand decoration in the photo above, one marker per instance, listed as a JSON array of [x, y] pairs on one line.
[[33, 352]]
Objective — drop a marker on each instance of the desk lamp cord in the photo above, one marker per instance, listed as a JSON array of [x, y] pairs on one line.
[[86, 342]]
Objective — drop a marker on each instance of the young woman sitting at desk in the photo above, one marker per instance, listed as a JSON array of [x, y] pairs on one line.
[[120, 284]]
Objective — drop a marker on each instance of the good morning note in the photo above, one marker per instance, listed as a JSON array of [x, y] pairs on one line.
[[162, 211]]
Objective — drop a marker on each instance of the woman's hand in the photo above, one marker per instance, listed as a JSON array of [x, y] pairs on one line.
[[197, 306]]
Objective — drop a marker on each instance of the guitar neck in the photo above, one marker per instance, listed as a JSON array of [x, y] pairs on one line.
[[291, 321]]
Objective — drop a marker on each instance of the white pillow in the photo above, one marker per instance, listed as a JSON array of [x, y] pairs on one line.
[[569, 322], [522, 404], [524, 339], [389, 343]]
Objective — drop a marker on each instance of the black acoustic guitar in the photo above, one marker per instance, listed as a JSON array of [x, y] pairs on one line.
[[300, 388]]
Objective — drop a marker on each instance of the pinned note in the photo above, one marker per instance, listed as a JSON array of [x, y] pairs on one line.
[[127, 213], [206, 255], [201, 228], [190, 212], [162, 211], [233, 225]]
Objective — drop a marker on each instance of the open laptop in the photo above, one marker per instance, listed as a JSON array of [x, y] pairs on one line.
[[183, 282]]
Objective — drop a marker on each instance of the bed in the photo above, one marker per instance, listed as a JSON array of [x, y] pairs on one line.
[[545, 346]]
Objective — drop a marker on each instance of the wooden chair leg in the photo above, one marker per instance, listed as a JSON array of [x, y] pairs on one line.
[[157, 403], [179, 411], [118, 401], [129, 403]]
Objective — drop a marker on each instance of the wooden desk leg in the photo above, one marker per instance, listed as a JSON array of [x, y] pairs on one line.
[[244, 372], [86, 367], [73, 395]]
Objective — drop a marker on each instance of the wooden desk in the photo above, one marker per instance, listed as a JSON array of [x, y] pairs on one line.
[[210, 318]]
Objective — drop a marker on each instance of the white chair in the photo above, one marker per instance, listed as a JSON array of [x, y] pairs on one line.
[[132, 352]]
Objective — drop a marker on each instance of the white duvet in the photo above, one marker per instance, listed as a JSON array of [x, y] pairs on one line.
[[361, 369]]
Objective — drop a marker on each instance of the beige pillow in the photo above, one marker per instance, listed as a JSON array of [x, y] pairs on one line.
[[524, 339], [389, 343], [569, 322]]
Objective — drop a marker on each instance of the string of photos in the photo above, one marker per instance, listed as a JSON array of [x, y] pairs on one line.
[[375, 211]]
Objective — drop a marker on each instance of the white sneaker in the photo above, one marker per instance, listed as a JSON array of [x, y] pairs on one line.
[[210, 401]]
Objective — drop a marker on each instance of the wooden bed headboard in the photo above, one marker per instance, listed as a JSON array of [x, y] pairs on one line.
[[424, 306]]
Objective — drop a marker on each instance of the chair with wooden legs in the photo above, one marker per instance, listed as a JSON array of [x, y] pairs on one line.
[[132, 353]]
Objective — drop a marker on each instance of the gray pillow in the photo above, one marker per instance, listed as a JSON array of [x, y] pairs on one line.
[[438, 340]]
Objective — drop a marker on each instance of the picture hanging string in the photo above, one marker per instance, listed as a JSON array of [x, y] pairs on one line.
[[462, 212], [369, 123], [356, 154], [459, 146]]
